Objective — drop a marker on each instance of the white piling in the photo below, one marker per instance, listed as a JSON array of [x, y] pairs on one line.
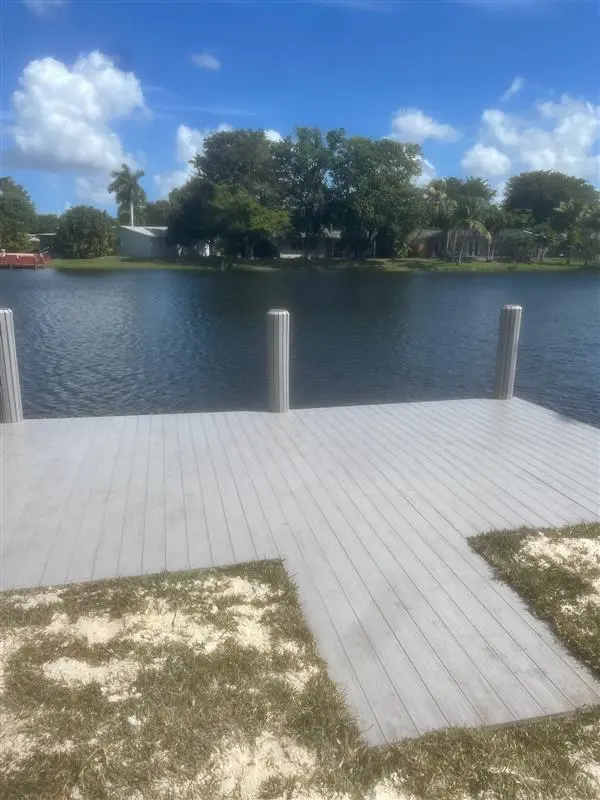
[[11, 408], [278, 355], [506, 354]]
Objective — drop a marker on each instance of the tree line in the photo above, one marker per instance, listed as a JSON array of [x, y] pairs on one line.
[[81, 232], [246, 193]]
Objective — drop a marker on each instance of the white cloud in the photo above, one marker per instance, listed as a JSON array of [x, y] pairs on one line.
[[63, 114], [43, 6], [412, 125], [167, 181], [485, 161], [206, 61], [273, 136], [563, 135], [513, 89], [93, 189], [188, 142]]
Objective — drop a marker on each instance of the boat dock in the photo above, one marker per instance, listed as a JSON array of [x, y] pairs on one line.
[[370, 508]]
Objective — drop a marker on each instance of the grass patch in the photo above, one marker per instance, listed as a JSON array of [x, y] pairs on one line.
[[558, 572], [209, 686], [119, 262], [212, 263]]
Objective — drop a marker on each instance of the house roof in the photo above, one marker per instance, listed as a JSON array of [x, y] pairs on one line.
[[154, 231]]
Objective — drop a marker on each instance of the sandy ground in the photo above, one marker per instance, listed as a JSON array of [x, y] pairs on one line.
[[237, 768]]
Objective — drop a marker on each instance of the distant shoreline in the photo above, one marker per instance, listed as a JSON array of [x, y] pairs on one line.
[[406, 265]]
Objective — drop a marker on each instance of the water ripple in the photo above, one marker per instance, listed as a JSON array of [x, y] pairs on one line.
[[138, 342]]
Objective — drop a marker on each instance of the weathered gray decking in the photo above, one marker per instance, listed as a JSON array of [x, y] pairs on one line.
[[369, 506]]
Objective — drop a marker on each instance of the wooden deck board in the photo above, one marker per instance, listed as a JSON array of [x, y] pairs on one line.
[[527, 453], [221, 546], [499, 481], [155, 531], [433, 546], [406, 560], [405, 600], [315, 585], [344, 595], [199, 553], [107, 555], [370, 507], [129, 561], [177, 556]]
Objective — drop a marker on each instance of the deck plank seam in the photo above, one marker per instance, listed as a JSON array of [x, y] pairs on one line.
[[291, 527], [410, 580], [476, 599], [418, 510], [111, 483]]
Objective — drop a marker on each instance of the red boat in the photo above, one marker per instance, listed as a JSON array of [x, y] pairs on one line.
[[23, 260]]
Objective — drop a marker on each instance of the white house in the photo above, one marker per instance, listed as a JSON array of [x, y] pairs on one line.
[[142, 242]]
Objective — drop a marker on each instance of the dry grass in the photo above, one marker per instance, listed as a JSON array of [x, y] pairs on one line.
[[208, 686], [558, 572], [202, 685]]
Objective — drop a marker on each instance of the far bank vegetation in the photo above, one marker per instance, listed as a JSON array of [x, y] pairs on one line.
[[320, 196]]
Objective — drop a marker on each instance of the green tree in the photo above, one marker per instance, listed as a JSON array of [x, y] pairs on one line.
[[542, 192], [130, 196], [567, 220], [545, 238], [372, 190], [469, 188], [241, 158], [441, 210], [470, 213], [157, 213], [302, 165], [503, 225], [193, 219], [45, 223], [242, 222], [17, 216], [84, 232], [590, 227], [496, 221], [444, 196]]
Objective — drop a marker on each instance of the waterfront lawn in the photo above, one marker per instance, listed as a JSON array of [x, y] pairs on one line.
[[264, 265], [208, 685]]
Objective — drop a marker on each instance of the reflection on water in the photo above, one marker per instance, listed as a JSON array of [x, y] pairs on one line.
[[136, 342]]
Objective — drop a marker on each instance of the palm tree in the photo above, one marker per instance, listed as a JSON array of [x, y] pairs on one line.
[[442, 210], [469, 213], [496, 220], [129, 194], [590, 224], [567, 220], [544, 237]]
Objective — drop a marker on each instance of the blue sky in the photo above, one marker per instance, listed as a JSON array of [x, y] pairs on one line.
[[487, 87]]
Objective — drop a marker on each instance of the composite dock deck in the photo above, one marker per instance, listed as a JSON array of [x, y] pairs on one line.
[[370, 507]]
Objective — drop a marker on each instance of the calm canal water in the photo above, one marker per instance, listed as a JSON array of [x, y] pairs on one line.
[[135, 342]]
